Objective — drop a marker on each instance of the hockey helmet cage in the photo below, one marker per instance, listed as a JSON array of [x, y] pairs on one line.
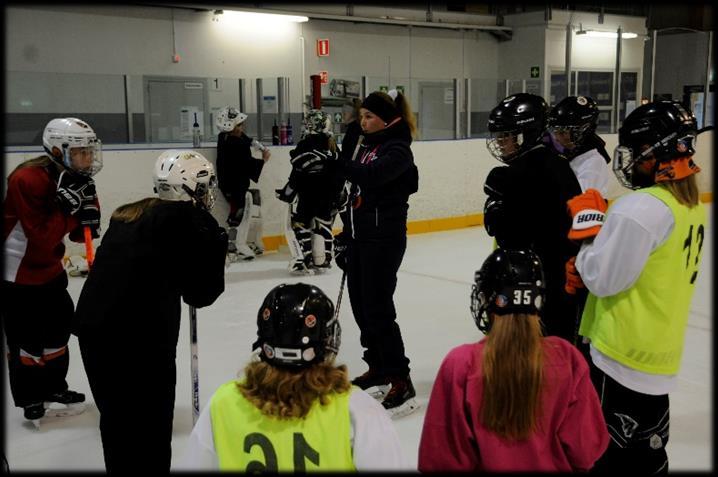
[[316, 121], [61, 135], [662, 130], [516, 125], [577, 115], [185, 175], [228, 118], [296, 326], [509, 281]]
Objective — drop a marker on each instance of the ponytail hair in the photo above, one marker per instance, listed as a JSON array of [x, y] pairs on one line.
[[407, 115], [512, 376]]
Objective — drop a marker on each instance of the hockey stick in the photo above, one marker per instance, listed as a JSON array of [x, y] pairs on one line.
[[88, 247], [195, 363]]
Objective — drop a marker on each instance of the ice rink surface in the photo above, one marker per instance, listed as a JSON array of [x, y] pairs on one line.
[[432, 301]]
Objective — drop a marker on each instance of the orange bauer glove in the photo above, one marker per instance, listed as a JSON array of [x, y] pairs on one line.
[[587, 211]]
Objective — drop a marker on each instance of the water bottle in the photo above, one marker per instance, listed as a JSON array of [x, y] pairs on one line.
[[283, 134], [290, 136], [196, 138], [275, 134]]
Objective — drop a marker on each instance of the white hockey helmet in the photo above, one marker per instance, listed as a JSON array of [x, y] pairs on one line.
[[61, 135], [185, 175], [228, 118]]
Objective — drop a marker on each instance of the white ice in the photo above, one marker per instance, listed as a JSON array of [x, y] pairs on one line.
[[432, 301]]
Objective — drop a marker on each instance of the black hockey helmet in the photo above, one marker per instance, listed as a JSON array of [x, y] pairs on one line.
[[577, 115], [516, 125], [661, 130], [296, 326], [509, 281]]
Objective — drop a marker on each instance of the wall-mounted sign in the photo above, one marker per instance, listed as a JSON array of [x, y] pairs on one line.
[[324, 75], [323, 47], [535, 72]]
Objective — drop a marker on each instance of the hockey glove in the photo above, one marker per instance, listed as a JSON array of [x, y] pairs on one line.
[[573, 279], [286, 194], [341, 250], [89, 216], [588, 210], [496, 184], [72, 190]]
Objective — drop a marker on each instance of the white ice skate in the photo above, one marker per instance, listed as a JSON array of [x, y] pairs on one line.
[[299, 268], [378, 392], [76, 266], [404, 410]]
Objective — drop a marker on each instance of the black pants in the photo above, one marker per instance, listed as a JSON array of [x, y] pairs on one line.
[[236, 207], [133, 386], [37, 318], [638, 426], [371, 281]]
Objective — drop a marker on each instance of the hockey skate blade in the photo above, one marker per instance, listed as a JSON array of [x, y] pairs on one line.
[[55, 409], [378, 392], [404, 410]]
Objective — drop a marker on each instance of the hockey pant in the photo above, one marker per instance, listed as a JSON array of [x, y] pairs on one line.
[[135, 394], [245, 224], [309, 240], [37, 321], [638, 425]]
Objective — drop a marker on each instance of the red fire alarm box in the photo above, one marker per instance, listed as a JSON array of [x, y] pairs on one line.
[[324, 75], [323, 47]]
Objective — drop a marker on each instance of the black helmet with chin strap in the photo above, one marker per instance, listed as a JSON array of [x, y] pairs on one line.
[[509, 281], [521, 116], [662, 130], [296, 326]]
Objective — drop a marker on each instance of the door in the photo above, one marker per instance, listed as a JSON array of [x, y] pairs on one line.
[[436, 110]]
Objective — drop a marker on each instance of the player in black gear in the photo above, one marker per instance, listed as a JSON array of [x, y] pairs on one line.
[[313, 192], [526, 200]]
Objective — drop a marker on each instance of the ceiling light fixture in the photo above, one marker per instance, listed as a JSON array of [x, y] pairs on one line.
[[260, 17], [606, 34]]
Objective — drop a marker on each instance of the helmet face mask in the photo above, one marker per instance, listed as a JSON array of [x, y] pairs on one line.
[[656, 132], [572, 120], [296, 327], [229, 118], [74, 144], [187, 176], [509, 282], [522, 116]]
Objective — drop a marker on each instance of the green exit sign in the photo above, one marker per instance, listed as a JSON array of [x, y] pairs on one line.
[[535, 72]]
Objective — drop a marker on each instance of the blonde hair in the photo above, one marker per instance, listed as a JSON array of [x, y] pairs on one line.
[[39, 161], [402, 104], [134, 210], [684, 190], [287, 394], [512, 376]]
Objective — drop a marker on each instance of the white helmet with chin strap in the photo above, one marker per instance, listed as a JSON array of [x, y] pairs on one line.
[[61, 135], [228, 118], [185, 175]]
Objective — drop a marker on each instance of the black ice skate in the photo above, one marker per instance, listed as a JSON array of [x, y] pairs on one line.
[[373, 383], [298, 267], [33, 412], [399, 401], [255, 248], [62, 404]]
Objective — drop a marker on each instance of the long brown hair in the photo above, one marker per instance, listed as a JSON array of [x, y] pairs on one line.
[[134, 210], [288, 394], [402, 104], [684, 190], [512, 376], [39, 161]]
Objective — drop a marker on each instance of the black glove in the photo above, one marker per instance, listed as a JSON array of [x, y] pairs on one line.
[[89, 216], [73, 190], [497, 182], [342, 243], [286, 194]]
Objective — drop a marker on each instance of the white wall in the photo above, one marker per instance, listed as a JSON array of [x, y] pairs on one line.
[[451, 178]]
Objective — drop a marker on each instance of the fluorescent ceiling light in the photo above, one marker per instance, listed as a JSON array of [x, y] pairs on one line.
[[261, 17], [606, 34]]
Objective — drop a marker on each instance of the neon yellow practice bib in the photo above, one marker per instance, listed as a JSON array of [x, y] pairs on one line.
[[644, 327], [248, 441]]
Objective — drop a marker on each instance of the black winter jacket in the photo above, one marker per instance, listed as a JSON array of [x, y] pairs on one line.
[[144, 268], [235, 164], [383, 176]]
